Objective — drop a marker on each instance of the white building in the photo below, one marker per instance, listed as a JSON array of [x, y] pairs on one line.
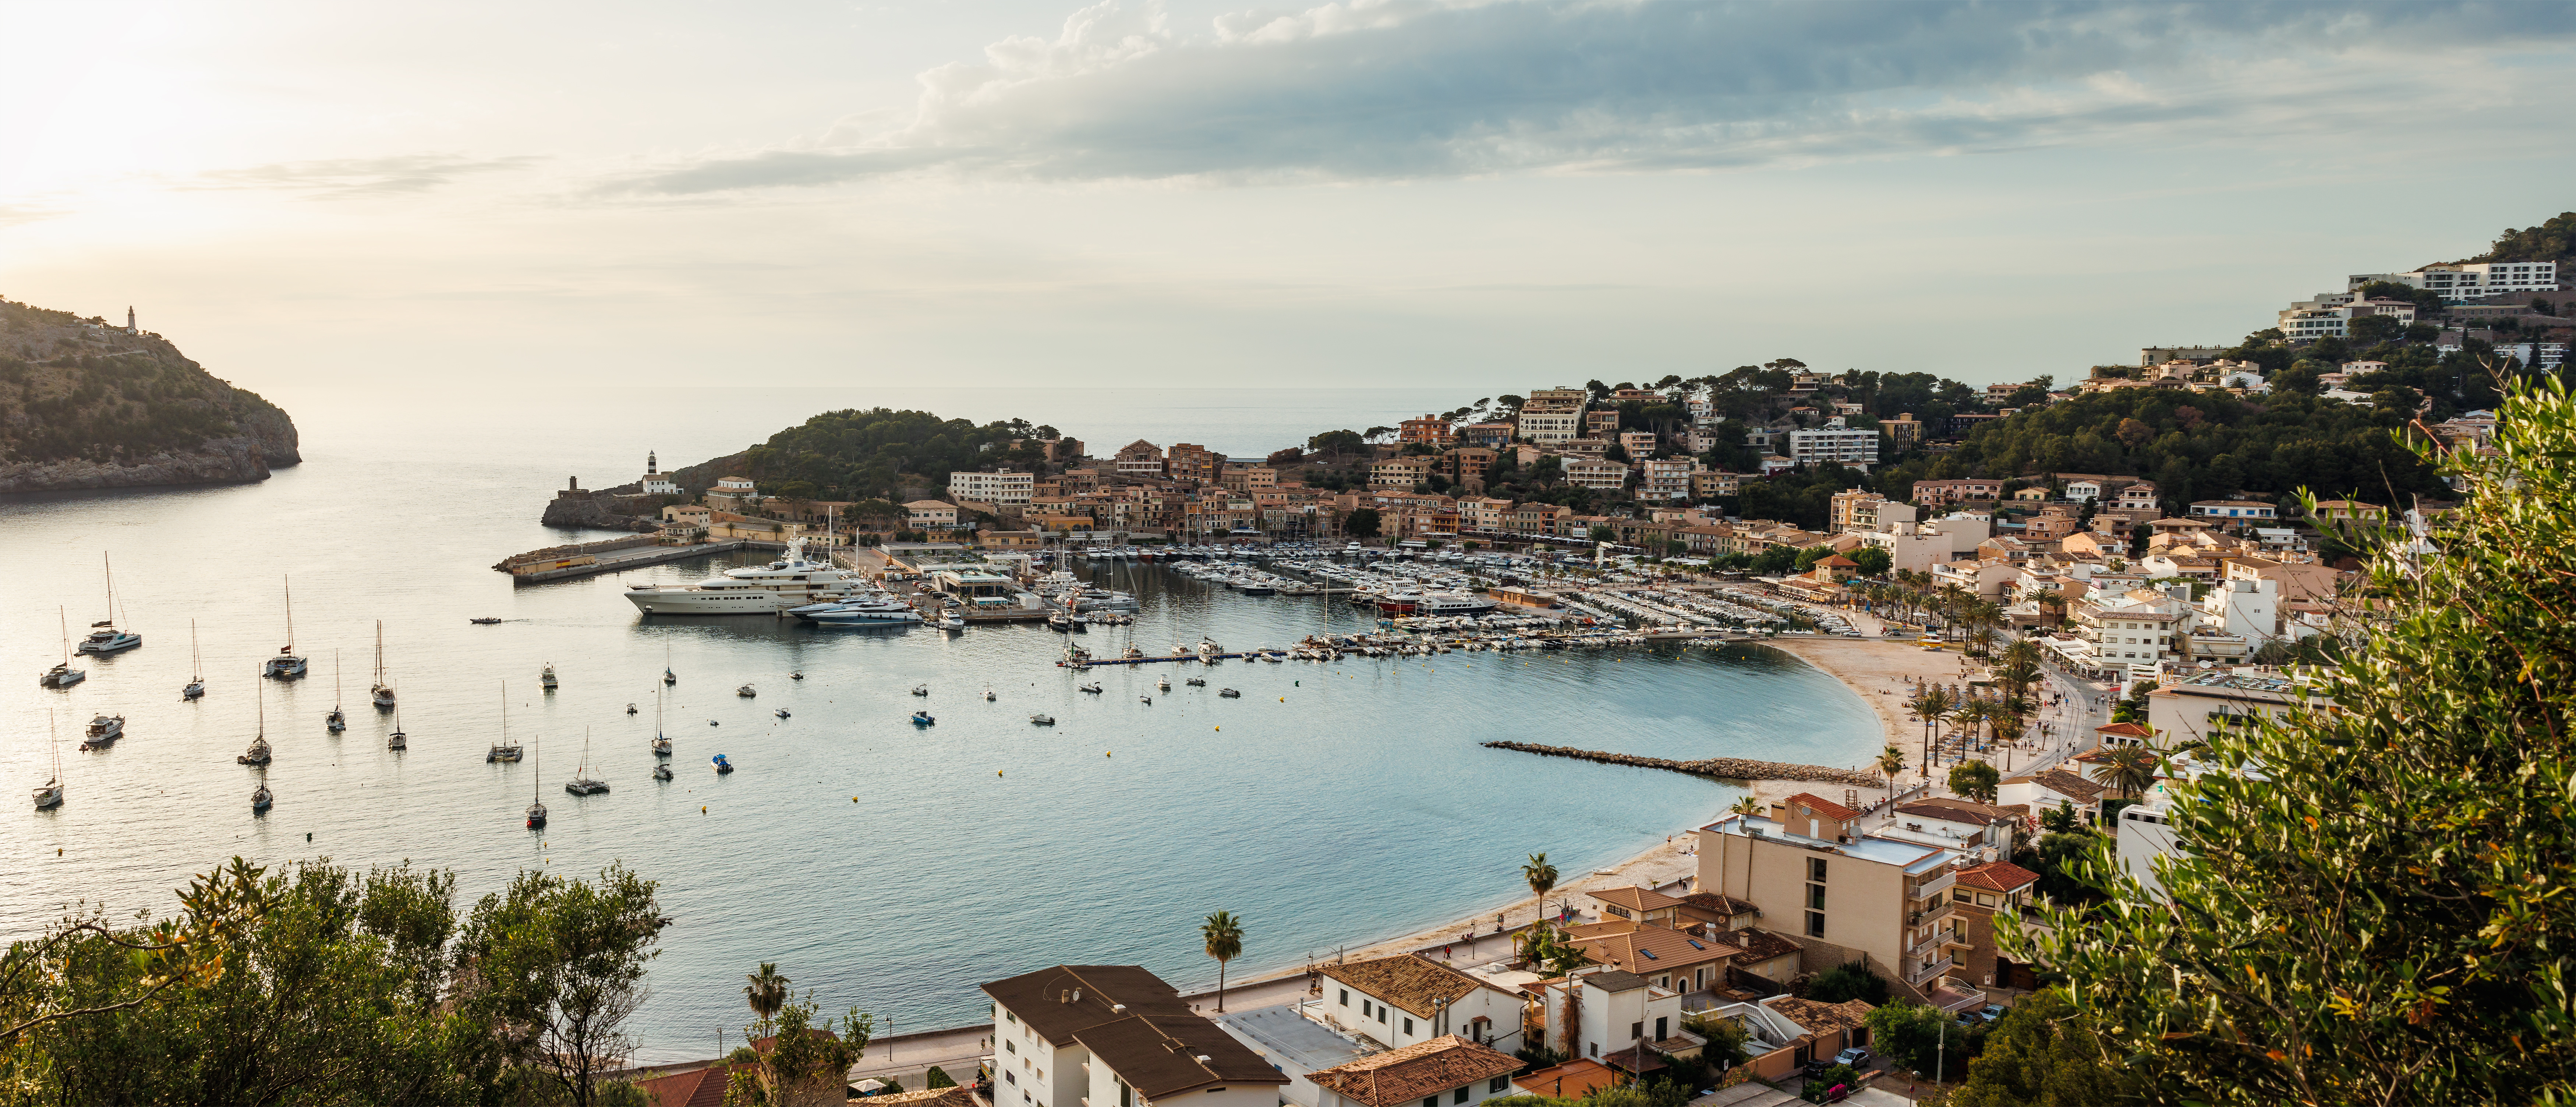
[[1616, 1011], [656, 482], [2468, 281], [1103, 1035], [1548, 428], [1608, 476], [1006, 489], [2234, 511], [1410, 999], [2311, 320], [1664, 479], [1848, 447], [931, 515]]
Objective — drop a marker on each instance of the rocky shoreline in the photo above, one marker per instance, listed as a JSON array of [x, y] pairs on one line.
[[92, 406], [1724, 768]]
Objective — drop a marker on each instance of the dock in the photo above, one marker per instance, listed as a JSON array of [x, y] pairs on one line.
[[633, 558], [1168, 657]]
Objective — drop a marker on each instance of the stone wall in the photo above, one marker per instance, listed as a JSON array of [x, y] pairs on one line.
[[1725, 768]]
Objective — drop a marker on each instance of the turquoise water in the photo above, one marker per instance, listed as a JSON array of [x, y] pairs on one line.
[[883, 865]]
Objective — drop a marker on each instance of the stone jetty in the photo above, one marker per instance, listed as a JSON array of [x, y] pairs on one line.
[[1729, 768]]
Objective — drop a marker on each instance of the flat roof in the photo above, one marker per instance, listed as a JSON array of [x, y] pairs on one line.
[[1293, 1042]]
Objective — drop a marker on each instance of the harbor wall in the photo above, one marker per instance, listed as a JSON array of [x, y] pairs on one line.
[[1726, 768]]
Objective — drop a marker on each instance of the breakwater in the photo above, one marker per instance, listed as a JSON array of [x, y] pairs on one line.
[[1729, 768]]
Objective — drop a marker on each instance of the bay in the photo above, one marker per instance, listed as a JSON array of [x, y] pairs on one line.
[[882, 865]]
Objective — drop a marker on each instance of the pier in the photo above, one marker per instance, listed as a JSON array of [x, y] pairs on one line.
[[615, 560], [1728, 768], [1214, 657]]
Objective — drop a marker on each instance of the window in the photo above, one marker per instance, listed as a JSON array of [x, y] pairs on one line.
[[1126, 1095], [1816, 869], [1381, 1012], [1816, 897], [1660, 1028], [1595, 1047], [1431, 1101], [1346, 997], [1496, 1085], [1636, 1030], [1013, 1077], [1408, 1026], [1364, 1009], [1815, 924], [1010, 1045], [1459, 1096]]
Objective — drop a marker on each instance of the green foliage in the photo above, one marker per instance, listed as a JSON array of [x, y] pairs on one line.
[[1976, 780], [2376, 914], [559, 965], [1925, 1039], [936, 1078], [2204, 446], [1839, 1076], [1726, 1042], [1361, 523], [133, 397], [1873, 561], [1847, 981], [2042, 1054], [2551, 239], [853, 454]]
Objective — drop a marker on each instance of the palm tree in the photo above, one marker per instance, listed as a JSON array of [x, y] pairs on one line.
[[1224, 934], [1891, 761], [1930, 705], [2129, 769], [1541, 877], [767, 991]]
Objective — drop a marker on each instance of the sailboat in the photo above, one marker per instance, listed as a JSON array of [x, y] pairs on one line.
[[286, 665], [104, 638], [536, 804], [51, 795], [196, 667], [397, 740], [668, 677], [62, 675], [337, 720], [382, 693], [505, 749], [661, 742], [258, 753], [260, 798], [582, 783]]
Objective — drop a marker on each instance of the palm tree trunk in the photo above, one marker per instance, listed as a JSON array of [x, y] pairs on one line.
[[1220, 987]]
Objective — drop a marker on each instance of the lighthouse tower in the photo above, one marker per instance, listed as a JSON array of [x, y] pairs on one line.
[[130, 328], [656, 482]]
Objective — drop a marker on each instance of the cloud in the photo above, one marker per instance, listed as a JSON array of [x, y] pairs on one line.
[[353, 177], [13, 214], [1395, 89]]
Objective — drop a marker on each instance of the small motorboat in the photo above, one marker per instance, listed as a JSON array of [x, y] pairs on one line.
[[988, 693], [1093, 688], [1146, 700], [546, 679], [485, 622], [746, 691], [797, 675], [1195, 682], [1059, 622], [712, 722], [781, 713], [1163, 685], [922, 718], [630, 708], [1042, 720], [921, 689], [949, 620], [662, 771], [721, 765], [1229, 693]]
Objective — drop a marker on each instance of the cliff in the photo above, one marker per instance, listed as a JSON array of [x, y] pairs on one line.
[[86, 405]]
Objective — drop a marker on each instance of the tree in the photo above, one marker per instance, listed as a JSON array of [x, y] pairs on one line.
[[558, 966], [1361, 523], [1976, 780], [1924, 1038], [937, 1078], [2368, 909], [806, 1061], [2129, 770], [1873, 561], [1223, 934], [1891, 761], [1604, 532], [767, 991], [1847, 981], [1335, 444], [1541, 878], [2042, 1054]]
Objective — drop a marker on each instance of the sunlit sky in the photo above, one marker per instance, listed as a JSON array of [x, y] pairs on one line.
[[1499, 195]]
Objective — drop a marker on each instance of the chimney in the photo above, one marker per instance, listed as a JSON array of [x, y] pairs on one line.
[[1117, 1008], [1077, 995], [1063, 996]]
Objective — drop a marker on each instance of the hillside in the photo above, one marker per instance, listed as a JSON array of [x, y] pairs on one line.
[[860, 455], [86, 405]]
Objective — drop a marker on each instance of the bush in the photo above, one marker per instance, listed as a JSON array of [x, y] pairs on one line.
[[1847, 981], [936, 1078], [1924, 1039], [1839, 1075]]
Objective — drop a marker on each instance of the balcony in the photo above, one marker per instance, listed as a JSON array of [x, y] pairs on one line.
[[1934, 913], [1925, 947], [1933, 887], [1928, 970]]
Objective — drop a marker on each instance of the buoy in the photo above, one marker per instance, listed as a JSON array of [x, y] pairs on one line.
[[702, 811], [1108, 753], [1220, 728], [854, 799], [1282, 699]]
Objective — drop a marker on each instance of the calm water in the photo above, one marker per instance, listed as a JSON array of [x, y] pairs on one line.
[[880, 864]]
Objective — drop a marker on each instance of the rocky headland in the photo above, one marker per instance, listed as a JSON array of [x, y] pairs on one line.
[[88, 405]]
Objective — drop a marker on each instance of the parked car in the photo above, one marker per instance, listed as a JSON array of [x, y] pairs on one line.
[[1991, 1012], [1855, 1057]]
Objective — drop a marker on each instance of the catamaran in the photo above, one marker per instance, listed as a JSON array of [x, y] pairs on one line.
[[62, 675], [286, 665], [51, 794], [382, 693], [196, 667], [104, 638]]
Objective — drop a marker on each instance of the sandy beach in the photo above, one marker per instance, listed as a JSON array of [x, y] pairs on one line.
[[1875, 670]]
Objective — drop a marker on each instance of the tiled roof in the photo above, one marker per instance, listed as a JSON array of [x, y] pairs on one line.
[[2125, 730], [1408, 981], [1059, 1001], [1818, 1018], [1955, 810], [1997, 876], [2068, 784], [1160, 1055], [1636, 899], [1823, 806], [1760, 945], [1412, 1073], [1650, 949], [1572, 1080], [928, 1097], [694, 1088], [1718, 904]]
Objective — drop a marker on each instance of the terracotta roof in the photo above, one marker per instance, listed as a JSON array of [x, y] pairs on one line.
[[928, 1097], [1823, 806], [1997, 876], [1636, 899], [1817, 1018], [1412, 1073], [694, 1088], [1572, 1080], [1955, 810], [1718, 904], [1408, 981], [1651, 949], [1639, 1059], [2068, 784], [2125, 730], [1760, 945]]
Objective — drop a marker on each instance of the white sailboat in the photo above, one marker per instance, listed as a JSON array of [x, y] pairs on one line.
[[668, 677], [261, 799], [62, 675], [104, 638], [382, 693], [286, 665], [51, 794], [196, 667], [582, 783], [661, 742], [505, 749], [397, 740], [536, 789], [337, 720], [258, 753]]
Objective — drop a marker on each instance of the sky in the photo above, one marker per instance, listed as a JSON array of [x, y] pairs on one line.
[[1495, 194]]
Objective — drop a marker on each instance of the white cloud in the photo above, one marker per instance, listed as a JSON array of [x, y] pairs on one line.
[[351, 177], [1396, 89]]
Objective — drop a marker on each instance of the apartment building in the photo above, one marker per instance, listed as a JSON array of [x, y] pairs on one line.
[[1139, 459], [1548, 428], [1601, 423], [2240, 512], [1007, 489], [1484, 513], [2317, 319], [1664, 479], [1079, 1035], [930, 515], [1860, 510], [1535, 518], [1429, 430], [1979, 894], [2467, 281], [2126, 634], [1639, 445], [1808, 863], [1490, 435], [1410, 999], [1937, 493], [1710, 483], [1603, 475], [1847, 447], [1903, 432], [1400, 472], [2199, 707], [1556, 399], [1196, 464]]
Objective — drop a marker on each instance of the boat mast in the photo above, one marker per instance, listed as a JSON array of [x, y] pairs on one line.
[[380, 653], [290, 616], [65, 618], [335, 678], [196, 664], [110, 570]]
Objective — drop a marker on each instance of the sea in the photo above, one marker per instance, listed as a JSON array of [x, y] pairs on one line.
[[879, 864]]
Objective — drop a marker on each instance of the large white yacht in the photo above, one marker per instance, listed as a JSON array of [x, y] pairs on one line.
[[791, 581], [877, 608]]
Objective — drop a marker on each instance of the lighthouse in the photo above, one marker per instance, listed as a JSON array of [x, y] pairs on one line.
[[656, 482], [130, 328]]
